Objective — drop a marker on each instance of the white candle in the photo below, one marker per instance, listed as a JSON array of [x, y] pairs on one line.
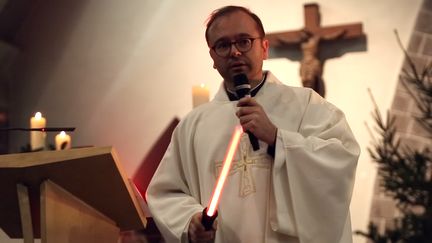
[[62, 141], [37, 139], [200, 95]]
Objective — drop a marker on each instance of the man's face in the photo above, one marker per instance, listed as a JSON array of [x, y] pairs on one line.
[[232, 27]]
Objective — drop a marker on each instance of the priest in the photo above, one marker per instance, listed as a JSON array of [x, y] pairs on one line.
[[295, 188]]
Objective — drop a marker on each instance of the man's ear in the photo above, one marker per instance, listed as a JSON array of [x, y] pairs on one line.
[[265, 46]]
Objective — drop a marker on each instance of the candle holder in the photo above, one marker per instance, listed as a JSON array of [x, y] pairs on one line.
[[27, 148]]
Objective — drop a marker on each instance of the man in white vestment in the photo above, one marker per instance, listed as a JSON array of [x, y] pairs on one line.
[[295, 188]]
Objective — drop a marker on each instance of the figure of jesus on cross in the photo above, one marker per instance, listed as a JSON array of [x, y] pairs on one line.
[[309, 38]]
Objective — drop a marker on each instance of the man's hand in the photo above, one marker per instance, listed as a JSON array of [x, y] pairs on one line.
[[197, 232], [254, 119]]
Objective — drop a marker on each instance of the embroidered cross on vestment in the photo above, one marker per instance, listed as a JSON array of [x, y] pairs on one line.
[[244, 165]]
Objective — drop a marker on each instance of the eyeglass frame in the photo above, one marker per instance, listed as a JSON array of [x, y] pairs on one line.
[[235, 42]]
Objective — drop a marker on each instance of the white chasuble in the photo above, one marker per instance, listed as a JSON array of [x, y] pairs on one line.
[[300, 195]]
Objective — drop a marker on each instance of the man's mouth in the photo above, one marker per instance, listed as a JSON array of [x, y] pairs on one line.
[[237, 65]]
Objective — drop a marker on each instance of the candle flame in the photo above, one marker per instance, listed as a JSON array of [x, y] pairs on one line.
[[225, 169], [202, 85], [38, 115], [62, 133]]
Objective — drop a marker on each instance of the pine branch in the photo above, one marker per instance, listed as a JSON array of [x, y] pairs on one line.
[[406, 172], [422, 84]]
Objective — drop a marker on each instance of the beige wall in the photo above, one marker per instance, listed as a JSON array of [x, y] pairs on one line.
[[121, 70]]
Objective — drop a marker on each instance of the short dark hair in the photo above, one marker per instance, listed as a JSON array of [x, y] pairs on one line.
[[230, 9]]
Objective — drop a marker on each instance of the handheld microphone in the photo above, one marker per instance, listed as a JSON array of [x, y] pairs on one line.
[[243, 87]]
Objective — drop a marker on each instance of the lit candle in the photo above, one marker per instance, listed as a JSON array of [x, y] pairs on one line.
[[37, 139], [62, 141], [200, 95]]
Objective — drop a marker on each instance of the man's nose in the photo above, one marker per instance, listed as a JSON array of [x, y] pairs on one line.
[[234, 52]]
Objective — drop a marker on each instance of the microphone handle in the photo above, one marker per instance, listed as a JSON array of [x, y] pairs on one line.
[[253, 140]]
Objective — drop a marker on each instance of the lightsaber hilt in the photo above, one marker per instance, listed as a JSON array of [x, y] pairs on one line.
[[206, 220]]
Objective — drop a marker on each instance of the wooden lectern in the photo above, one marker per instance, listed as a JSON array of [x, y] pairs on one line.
[[77, 195]]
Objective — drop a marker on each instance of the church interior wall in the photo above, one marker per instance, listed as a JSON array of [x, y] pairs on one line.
[[121, 72]]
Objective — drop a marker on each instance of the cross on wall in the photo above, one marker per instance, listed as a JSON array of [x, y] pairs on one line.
[[310, 39]]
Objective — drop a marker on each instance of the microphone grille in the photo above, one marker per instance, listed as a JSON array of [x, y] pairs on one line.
[[242, 85], [240, 79]]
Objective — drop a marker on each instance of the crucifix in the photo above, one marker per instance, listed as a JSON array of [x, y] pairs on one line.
[[310, 39]]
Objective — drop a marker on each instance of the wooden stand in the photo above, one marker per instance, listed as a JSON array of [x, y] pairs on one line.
[[78, 195]]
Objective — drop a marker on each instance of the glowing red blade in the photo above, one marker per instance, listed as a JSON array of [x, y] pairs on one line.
[[225, 169]]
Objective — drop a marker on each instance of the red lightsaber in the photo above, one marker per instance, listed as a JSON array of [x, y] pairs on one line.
[[209, 213]]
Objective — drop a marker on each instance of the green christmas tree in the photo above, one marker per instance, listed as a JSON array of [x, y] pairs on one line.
[[406, 173]]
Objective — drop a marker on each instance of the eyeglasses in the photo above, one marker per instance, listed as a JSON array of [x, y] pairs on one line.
[[223, 48]]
